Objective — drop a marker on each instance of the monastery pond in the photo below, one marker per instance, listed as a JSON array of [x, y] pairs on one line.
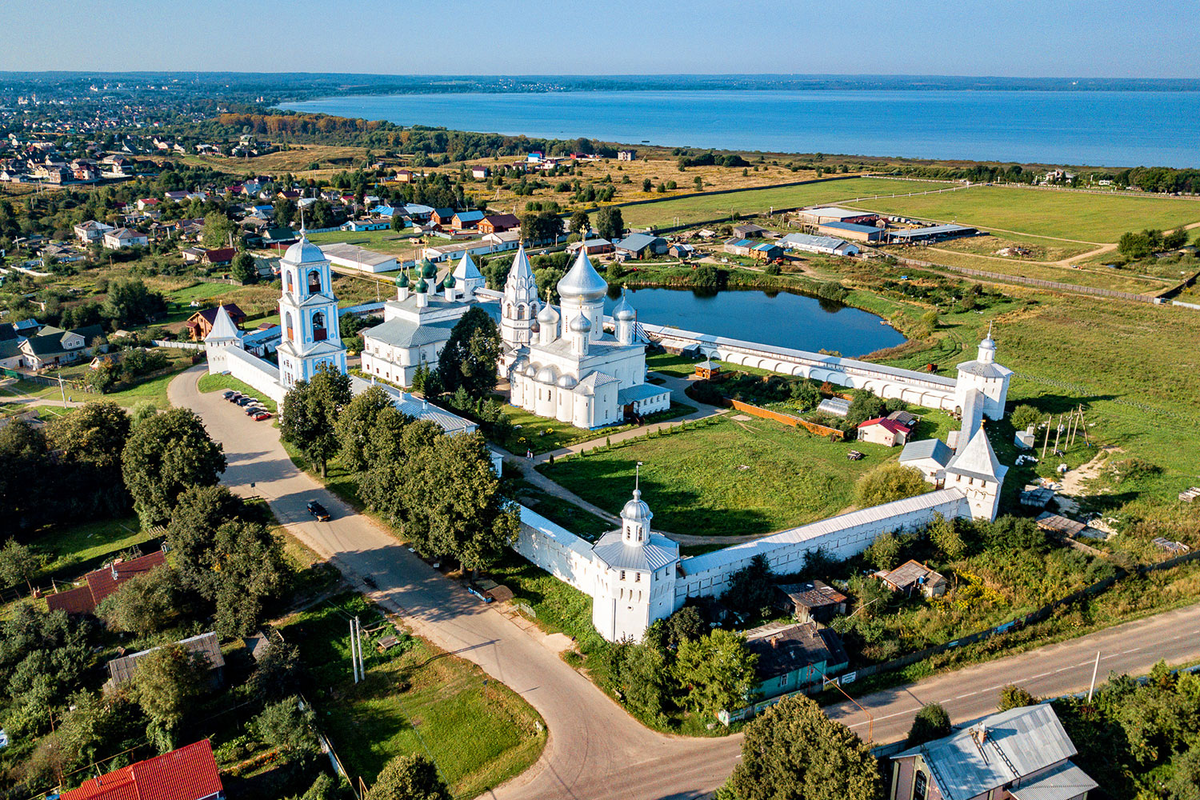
[[783, 319]]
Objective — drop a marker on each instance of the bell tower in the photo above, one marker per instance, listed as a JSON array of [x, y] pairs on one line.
[[308, 314]]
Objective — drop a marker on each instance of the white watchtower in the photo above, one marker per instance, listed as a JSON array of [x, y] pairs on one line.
[[308, 313], [985, 376]]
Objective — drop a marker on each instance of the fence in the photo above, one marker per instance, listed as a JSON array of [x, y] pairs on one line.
[[1037, 615], [786, 419], [179, 345], [1061, 287], [44, 380]]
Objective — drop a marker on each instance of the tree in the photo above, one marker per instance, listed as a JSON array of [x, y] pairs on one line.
[[310, 413], [355, 424], [243, 268], [541, 226], [794, 752], [1013, 696], [717, 671], [218, 230], [288, 728], [888, 482], [931, 722], [884, 552], [144, 604], [928, 323], [250, 568], [750, 589], [863, 407], [1025, 415], [699, 183], [944, 535], [1184, 783], [277, 672], [166, 683], [647, 185], [684, 625], [285, 212], [89, 443], [397, 223], [580, 222], [609, 223], [408, 778], [25, 478], [470, 356], [18, 563], [198, 512], [131, 303], [164, 457]]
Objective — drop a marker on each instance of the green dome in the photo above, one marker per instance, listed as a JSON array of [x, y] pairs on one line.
[[422, 286], [449, 282], [428, 270], [402, 280]]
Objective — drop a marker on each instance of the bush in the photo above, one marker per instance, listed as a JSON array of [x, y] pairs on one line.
[[884, 552], [1025, 415], [889, 482], [1013, 696], [833, 291], [772, 269], [932, 722]]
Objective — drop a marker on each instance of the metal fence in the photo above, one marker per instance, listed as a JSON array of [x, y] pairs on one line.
[[1021, 279]]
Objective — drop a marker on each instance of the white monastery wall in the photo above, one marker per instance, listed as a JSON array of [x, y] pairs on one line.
[[556, 550], [249, 369], [839, 537]]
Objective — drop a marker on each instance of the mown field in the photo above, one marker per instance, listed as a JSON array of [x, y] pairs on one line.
[[1075, 216], [390, 242], [755, 201]]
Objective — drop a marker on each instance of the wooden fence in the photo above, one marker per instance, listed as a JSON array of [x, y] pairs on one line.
[[1060, 287], [786, 419]]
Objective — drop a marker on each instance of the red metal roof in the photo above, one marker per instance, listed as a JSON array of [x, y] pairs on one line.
[[888, 425], [189, 773], [103, 582]]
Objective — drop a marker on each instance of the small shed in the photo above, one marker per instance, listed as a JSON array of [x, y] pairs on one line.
[[681, 250], [887, 432], [767, 251], [707, 370], [814, 601], [1059, 525], [913, 575], [121, 670]]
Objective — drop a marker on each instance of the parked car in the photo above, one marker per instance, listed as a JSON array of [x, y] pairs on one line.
[[245, 401], [318, 511], [261, 415], [253, 409], [229, 393], [233, 397]]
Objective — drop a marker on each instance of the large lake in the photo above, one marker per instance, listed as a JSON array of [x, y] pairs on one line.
[[1110, 128], [783, 320]]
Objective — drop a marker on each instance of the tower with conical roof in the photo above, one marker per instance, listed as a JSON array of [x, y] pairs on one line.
[[985, 376], [978, 474], [308, 314], [520, 305], [468, 277], [224, 335]]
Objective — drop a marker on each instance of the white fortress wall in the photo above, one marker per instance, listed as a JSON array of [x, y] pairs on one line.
[[249, 369], [556, 550], [839, 537], [919, 388]]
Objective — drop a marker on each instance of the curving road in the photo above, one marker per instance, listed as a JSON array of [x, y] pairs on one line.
[[596, 751]]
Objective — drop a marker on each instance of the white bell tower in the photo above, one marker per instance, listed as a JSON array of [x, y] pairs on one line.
[[308, 314]]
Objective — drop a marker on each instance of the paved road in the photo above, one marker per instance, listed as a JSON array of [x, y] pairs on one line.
[[596, 751]]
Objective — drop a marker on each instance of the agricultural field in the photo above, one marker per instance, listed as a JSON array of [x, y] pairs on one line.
[[730, 476], [296, 159], [757, 201], [1073, 216], [415, 699]]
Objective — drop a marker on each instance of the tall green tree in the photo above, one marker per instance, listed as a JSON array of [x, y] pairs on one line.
[[888, 482], [26, 475], [609, 223], [408, 778], [470, 356], [792, 751], [579, 222], [197, 514], [164, 457], [18, 563], [89, 443], [166, 684], [288, 728], [310, 414], [355, 424], [243, 268], [716, 672], [218, 230], [285, 212], [144, 604], [251, 569], [931, 722]]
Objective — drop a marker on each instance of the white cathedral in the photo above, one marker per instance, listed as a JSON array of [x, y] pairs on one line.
[[560, 364]]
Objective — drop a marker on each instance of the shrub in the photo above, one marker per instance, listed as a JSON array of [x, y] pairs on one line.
[[889, 482], [1013, 696], [1025, 415], [932, 722]]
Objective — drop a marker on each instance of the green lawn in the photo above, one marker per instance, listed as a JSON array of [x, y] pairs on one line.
[[220, 382], [65, 547], [1062, 215], [415, 699], [725, 477], [573, 518], [531, 432], [389, 242], [754, 201]]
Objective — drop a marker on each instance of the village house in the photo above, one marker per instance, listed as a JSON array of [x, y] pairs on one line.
[[626, 155], [201, 323], [748, 230], [887, 432], [739, 247], [681, 250], [442, 217], [1022, 754], [479, 173], [912, 576], [99, 584], [812, 601], [466, 220], [792, 657], [52, 347], [641, 245], [121, 238], [91, 231], [498, 223], [121, 670], [595, 247], [359, 225], [767, 251], [189, 773]]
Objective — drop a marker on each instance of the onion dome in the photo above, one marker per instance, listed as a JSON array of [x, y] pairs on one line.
[[566, 382], [531, 370], [422, 287], [547, 316], [582, 282], [518, 366], [428, 270], [303, 252], [623, 311], [581, 324], [402, 279], [636, 509], [448, 282], [547, 375]]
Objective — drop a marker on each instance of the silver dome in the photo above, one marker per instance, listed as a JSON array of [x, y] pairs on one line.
[[624, 312], [547, 315], [566, 382], [547, 375], [582, 282], [531, 370], [636, 509], [581, 324], [303, 252]]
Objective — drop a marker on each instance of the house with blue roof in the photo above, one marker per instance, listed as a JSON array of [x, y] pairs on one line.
[[641, 245], [853, 231]]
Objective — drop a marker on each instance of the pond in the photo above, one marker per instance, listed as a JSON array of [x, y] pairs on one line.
[[782, 320]]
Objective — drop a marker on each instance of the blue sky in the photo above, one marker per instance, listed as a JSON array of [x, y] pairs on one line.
[[1024, 38]]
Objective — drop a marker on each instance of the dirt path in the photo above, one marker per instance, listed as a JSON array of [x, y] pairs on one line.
[[1073, 482]]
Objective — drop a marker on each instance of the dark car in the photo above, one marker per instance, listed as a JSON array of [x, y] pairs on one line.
[[233, 397], [229, 393], [245, 401], [253, 409], [318, 511]]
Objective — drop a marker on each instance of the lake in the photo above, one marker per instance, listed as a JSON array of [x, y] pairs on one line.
[[1098, 128], [783, 320]]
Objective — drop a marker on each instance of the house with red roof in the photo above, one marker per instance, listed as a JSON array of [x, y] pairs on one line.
[[189, 773], [103, 582], [884, 431]]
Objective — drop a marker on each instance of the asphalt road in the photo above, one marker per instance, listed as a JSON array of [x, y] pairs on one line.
[[596, 751]]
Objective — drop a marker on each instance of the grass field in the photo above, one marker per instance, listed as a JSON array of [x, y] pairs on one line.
[[415, 699], [1073, 216], [220, 382], [389, 242], [753, 201], [726, 477], [541, 435]]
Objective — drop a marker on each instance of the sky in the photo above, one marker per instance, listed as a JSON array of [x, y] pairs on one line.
[[1018, 38]]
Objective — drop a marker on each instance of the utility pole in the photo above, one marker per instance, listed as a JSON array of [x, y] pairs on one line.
[[1095, 669], [354, 648], [1058, 433], [61, 389], [1046, 441]]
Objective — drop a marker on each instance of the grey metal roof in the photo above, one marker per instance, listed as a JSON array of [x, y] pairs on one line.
[[351, 252], [641, 391], [121, 670], [402, 333], [808, 240], [936, 449], [784, 647], [983, 370], [977, 459], [637, 241], [852, 226], [1017, 743], [932, 230], [555, 532], [1062, 782], [656, 553]]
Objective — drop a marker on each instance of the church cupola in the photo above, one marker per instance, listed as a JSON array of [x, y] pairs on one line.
[[624, 319], [402, 287], [547, 320], [635, 521], [987, 349], [448, 286], [581, 330], [582, 292], [422, 290]]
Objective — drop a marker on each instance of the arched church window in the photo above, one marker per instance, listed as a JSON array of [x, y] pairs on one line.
[[314, 282], [318, 323], [289, 330], [290, 287], [522, 312]]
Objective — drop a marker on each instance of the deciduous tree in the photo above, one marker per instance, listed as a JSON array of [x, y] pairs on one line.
[[166, 683], [164, 457], [609, 223], [408, 778], [288, 728], [888, 482], [1013, 696], [931, 722], [355, 424], [310, 414], [716, 672], [469, 358], [144, 604]]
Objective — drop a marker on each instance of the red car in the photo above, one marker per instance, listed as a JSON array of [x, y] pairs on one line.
[[260, 416]]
